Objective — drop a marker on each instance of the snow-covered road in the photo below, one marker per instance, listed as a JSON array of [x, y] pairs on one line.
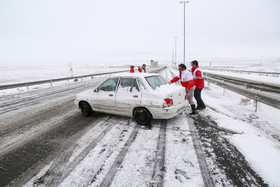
[[49, 143]]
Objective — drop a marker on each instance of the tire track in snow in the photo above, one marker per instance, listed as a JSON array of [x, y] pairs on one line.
[[28, 157], [106, 153], [37, 97], [119, 160], [59, 170], [40, 116], [223, 157], [138, 165], [34, 99], [207, 178], [159, 165]]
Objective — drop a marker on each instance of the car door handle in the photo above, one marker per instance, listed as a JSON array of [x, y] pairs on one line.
[[135, 96], [111, 95]]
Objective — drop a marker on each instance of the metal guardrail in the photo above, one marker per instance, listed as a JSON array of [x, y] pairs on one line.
[[26, 84], [9, 86], [257, 96], [262, 86], [245, 71]]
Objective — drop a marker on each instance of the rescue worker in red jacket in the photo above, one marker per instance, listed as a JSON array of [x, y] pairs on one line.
[[199, 83], [187, 82], [131, 69], [143, 68]]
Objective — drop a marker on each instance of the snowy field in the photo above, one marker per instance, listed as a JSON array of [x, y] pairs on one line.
[[19, 74], [257, 65], [255, 134], [261, 78]]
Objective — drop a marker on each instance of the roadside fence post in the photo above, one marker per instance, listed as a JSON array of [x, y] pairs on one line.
[[208, 83], [256, 103]]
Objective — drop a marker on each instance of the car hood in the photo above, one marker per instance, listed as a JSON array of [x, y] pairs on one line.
[[84, 94]]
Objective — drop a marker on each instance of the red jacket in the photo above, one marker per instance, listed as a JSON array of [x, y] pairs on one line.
[[187, 84], [131, 69], [198, 77], [144, 69]]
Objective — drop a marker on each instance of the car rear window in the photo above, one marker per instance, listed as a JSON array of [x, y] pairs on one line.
[[156, 81]]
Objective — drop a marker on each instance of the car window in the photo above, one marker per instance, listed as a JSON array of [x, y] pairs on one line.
[[128, 85], [109, 85], [141, 85], [156, 81]]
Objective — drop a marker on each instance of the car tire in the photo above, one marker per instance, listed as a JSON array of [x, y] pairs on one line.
[[142, 116], [85, 109]]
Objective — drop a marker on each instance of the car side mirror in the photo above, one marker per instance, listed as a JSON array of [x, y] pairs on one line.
[[95, 90]]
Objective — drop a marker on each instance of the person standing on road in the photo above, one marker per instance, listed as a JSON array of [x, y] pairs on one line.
[[187, 82], [144, 68], [199, 83], [131, 69]]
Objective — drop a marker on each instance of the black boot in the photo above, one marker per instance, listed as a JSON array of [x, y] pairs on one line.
[[193, 110]]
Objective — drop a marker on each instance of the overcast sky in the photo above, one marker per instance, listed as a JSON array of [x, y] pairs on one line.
[[95, 31]]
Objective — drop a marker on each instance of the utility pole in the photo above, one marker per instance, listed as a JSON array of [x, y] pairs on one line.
[[172, 56], [184, 2], [175, 54]]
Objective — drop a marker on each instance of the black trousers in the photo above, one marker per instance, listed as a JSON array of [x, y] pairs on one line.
[[197, 96]]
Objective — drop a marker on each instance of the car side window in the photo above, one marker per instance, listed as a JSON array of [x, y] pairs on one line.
[[109, 85], [141, 85], [128, 85]]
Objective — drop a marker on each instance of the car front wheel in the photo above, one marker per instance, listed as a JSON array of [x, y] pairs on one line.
[[85, 109], [142, 116]]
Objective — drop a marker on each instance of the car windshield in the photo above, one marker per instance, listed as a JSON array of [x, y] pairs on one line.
[[109, 85], [156, 81]]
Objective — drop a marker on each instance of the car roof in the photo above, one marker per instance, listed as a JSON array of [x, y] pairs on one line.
[[139, 75]]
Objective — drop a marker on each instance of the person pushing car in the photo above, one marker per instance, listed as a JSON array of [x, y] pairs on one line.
[[187, 82], [199, 85]]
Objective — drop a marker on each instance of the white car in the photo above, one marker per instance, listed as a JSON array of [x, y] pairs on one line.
[[144, 96]]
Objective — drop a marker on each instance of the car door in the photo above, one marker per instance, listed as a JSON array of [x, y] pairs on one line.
[[104, 96], [128, 96]]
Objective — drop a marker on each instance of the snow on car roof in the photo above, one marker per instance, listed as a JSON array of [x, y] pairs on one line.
[[140, 75]]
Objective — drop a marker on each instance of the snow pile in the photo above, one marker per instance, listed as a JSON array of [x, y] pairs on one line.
[[259, 132]]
